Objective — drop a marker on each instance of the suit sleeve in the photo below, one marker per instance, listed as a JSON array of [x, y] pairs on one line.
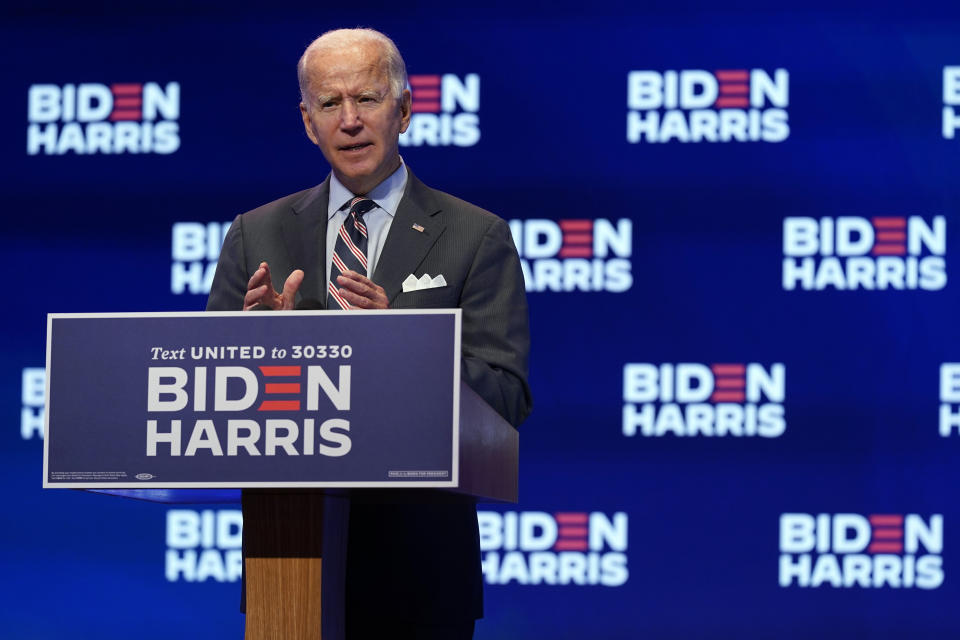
[[230, 280], [496, 332]]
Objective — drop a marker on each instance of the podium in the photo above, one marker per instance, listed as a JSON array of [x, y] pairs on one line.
[[300, 410]]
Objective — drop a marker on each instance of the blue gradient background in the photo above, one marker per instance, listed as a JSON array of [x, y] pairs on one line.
[[93, 233]]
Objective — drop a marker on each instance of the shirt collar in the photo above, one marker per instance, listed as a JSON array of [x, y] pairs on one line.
[[386, 195]]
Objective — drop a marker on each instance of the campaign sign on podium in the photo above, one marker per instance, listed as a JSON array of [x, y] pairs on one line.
[[279, 399]]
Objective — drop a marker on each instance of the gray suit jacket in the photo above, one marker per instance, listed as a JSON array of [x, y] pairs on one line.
[[417, 559]]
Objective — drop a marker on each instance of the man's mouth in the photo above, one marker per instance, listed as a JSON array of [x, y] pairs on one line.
[[355, 147]]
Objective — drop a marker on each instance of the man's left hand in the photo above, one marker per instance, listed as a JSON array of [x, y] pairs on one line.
[[361, 292]]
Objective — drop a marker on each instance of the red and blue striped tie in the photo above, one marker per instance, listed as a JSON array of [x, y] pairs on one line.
[[350, 251]]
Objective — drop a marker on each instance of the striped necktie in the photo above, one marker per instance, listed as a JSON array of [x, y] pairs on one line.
[[350, 251]]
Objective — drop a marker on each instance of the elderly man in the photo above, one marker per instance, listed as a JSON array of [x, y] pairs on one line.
[[413, 565]]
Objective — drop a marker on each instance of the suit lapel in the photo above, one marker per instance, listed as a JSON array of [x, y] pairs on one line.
[[305, 236], [406, 246]]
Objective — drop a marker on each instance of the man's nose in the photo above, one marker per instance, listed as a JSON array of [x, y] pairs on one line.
[[350, 116]]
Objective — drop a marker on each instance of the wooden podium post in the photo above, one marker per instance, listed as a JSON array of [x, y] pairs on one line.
[[283, 548]]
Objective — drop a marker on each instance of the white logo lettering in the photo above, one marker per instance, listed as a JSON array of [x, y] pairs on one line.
[[91, 118], [696, 105]]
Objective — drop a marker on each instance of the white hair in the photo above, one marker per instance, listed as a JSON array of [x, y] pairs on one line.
[[341, 38]]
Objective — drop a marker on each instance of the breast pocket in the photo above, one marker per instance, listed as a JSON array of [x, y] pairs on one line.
[[436, 298]]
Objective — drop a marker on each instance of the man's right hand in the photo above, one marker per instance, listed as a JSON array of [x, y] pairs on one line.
[[260, 290]]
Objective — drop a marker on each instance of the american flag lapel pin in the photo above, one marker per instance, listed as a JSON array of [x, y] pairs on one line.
[[418, 227]]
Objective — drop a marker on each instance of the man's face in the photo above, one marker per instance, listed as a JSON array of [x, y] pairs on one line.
[[353, 116]]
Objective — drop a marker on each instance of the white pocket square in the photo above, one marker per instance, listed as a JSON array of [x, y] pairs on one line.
[[413, 283]]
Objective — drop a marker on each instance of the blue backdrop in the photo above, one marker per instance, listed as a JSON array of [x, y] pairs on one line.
[[729, 217]]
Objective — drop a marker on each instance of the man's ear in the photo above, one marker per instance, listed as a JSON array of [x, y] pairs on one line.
[[404, 110], [307, 124]]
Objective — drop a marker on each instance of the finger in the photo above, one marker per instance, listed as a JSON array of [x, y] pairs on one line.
[[255, 297], [360, 284], [360, 294], [355, 282], [357, 301], [260, 276], [353, 276], [362, 287], [290, 287]]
